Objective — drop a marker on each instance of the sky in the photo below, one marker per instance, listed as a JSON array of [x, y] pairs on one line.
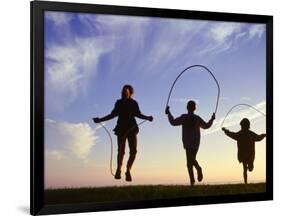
[[88, 59]]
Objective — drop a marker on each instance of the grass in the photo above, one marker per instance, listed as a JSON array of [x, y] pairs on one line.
[[145, 192]]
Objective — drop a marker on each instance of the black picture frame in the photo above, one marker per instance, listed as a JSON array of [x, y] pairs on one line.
[[37, 106]]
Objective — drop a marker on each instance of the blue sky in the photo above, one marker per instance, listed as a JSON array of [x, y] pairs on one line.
[[88, 58]]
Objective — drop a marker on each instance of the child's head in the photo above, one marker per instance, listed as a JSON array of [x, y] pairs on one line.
[[191, 106], [245, 124], [127, 91]]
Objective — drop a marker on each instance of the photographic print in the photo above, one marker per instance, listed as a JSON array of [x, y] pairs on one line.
[[145, 108]]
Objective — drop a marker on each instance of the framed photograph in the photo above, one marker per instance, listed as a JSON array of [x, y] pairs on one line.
[[139, 107]]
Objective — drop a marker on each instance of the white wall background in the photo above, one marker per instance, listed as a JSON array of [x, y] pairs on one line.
[[14, 105]]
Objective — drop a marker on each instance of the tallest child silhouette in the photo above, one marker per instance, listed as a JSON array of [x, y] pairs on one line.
[[126, 109], [191, 125]]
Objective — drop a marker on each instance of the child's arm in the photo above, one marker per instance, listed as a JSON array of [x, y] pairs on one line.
[[173, 121], [110, 116], [259, 137], [232, 135], [105, 118], [206, 125], [144, 117], [138, 114]]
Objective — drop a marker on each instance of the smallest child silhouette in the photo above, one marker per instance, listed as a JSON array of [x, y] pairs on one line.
[[246, 145]]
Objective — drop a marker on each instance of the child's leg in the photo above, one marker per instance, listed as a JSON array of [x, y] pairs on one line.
[[132, 139], [251, 166], [190, 162], [197, 166], [245, 172], [121, 151]]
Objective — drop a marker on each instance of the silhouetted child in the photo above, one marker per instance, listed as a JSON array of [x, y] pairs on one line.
[[126, 109], [191, 125], [246, 145]]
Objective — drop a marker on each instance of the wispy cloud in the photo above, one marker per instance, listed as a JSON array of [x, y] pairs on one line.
[[245, 98], [59, 18], [128, 35], [68, 140], [221, 31], [172, 43], [235, 117], [152, 45], [71, 63], [256, 31], [240, 35], [220, 37], [70, 67], [55, 154], [224, 98]]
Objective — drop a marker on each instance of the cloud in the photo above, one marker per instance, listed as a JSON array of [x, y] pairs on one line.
[[72, 62], [69, 68], [128, 30], [58, 18], [127, 35], [113, 24], [171, 44], [256, 31], [57, 155], [240, 35], [220, 32], [68, 140], [71, 59], [245, 98], [234, 118], [117, 23], [220, 36], [151, 45], [224, 98]]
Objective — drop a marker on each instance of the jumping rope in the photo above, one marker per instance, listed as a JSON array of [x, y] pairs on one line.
[[185, 70], [242, 104], [111, 152], [111, 142]]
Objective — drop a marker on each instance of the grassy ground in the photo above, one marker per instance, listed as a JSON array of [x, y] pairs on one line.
[[132, 193]]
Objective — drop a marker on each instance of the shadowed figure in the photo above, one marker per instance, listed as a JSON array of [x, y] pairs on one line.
[[246, 145], [126, 109], [191, 125]]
